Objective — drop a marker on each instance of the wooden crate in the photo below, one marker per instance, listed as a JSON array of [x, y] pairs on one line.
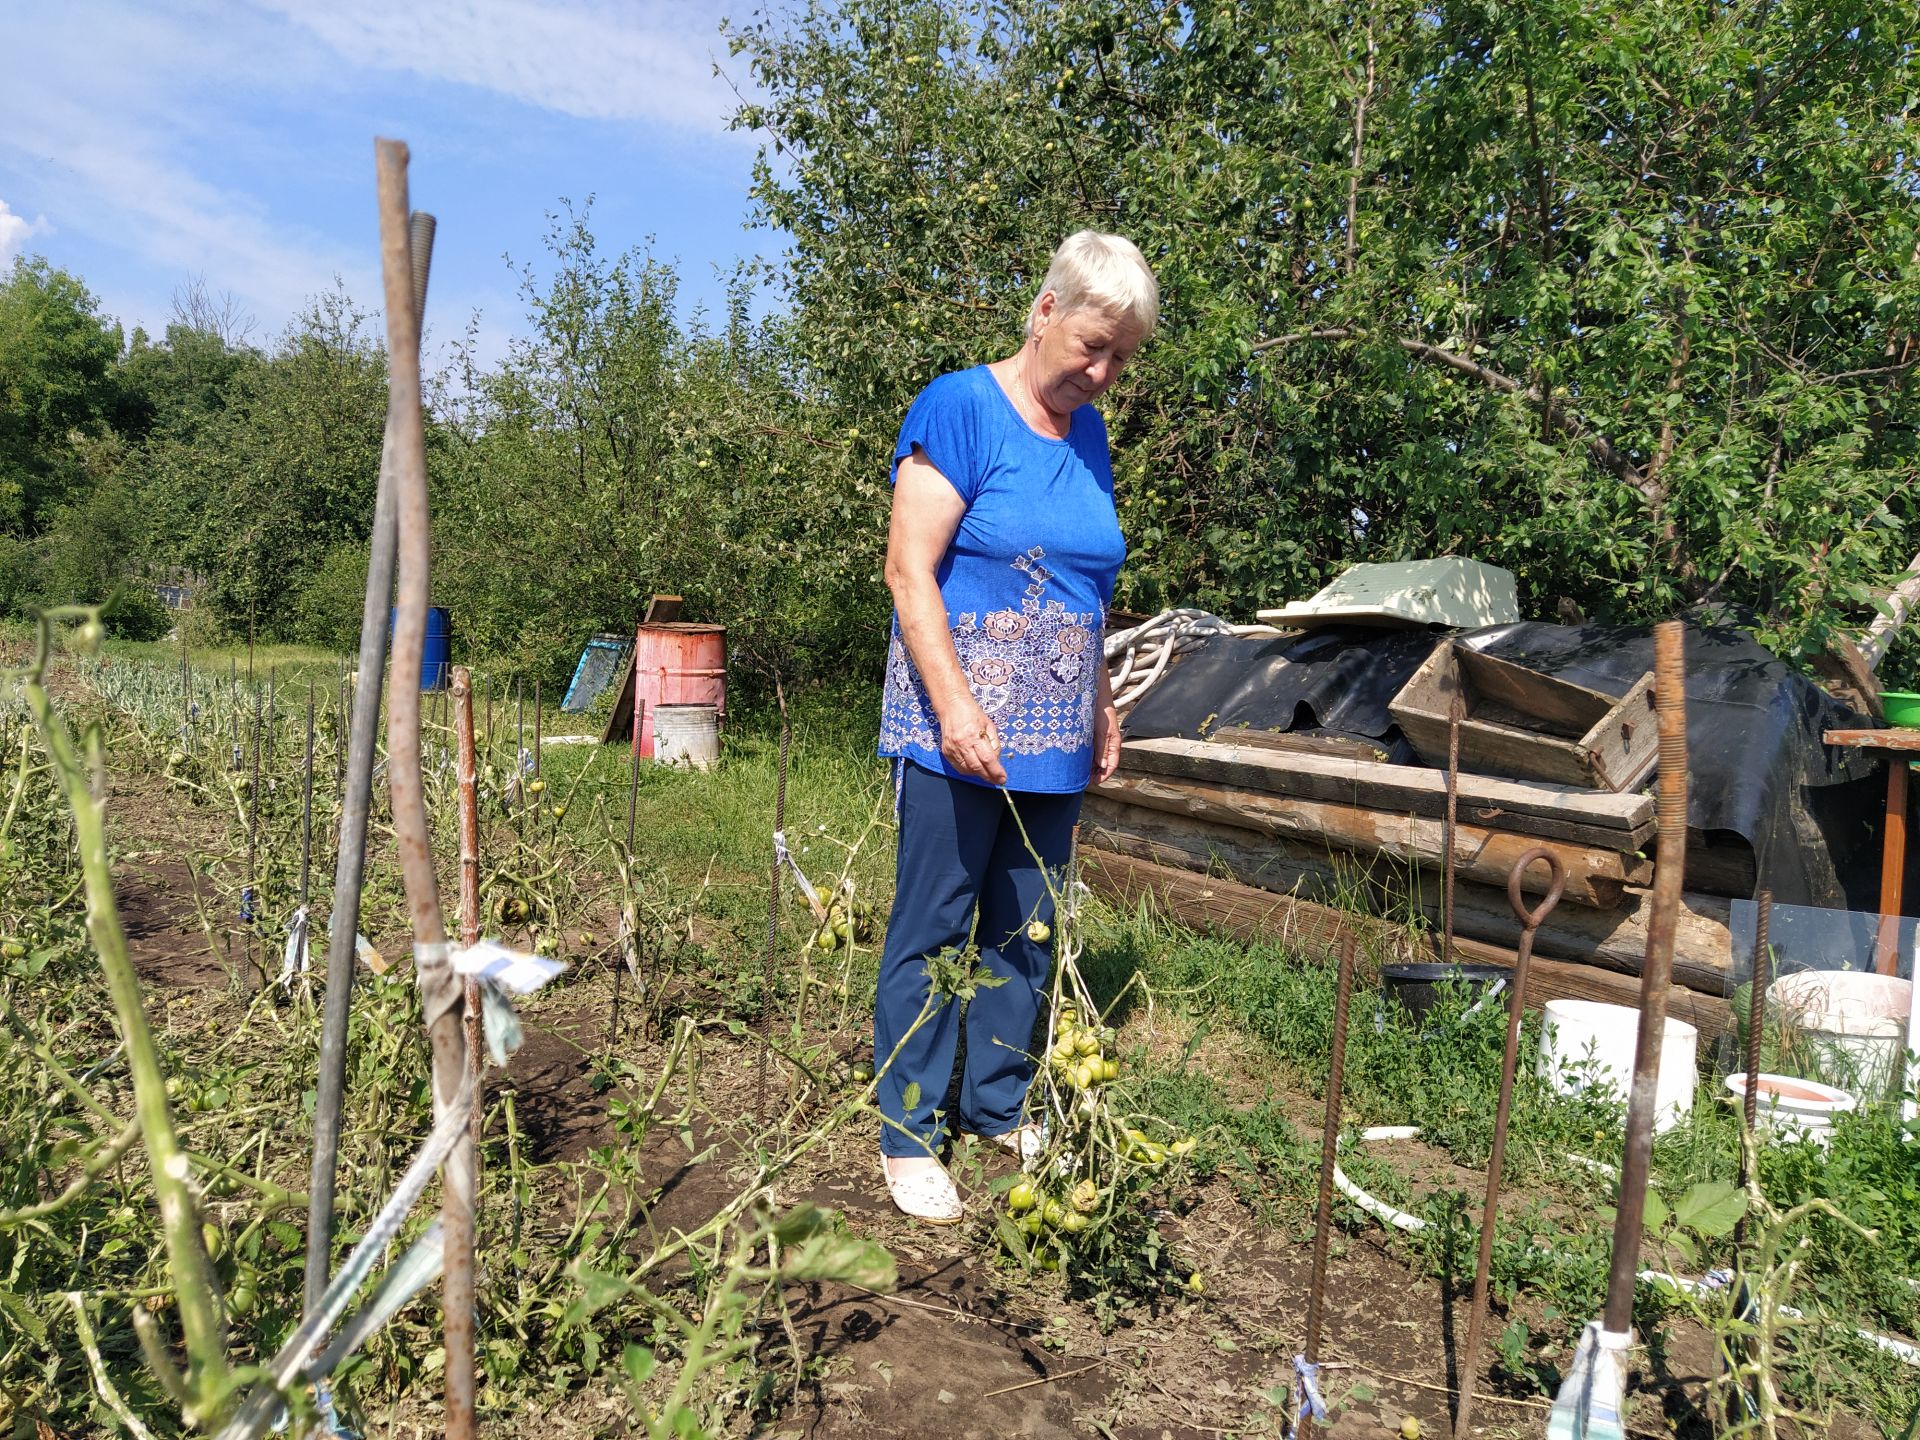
[[1528, 726]]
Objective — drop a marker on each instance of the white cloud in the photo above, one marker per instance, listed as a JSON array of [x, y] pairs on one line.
[[15, 231], [648, 60]]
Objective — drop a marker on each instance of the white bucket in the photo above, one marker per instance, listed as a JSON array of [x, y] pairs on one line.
[[1791, 1108], [686, 735], [1845, 1027], [1587, 1047]]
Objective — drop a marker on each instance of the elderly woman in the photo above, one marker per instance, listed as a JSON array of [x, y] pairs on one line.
[[1001, 558]]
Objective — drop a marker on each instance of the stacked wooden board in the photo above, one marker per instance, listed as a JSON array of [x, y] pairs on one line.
[[1340, 834]]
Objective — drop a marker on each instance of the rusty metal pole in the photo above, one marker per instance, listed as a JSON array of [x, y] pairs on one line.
[[462, 687], [1530, 922], [440, 989], [1656, 975], [1456, 712], [1329, 1148]]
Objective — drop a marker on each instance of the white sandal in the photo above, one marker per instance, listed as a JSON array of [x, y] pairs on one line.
[[1026, 1143], [927, 1195]]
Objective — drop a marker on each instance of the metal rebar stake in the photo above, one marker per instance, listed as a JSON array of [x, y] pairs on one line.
[[467, 781], [1757, 984], [629, 939], [1456, 712], [773, 907], [306, 807], [1530, 922], [1329, 1154]]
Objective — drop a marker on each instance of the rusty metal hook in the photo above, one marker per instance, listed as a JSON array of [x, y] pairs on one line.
[[1530, 921], [1556, 887]]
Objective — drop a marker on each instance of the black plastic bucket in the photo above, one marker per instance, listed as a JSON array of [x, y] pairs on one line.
[[1417, 985]]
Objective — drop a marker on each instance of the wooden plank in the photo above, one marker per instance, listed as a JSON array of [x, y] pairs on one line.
[[1243, 911], [620, 718], [1570, 709], [1897, 739], [1285, 742], [1524, 725], [1256, 916], [1595, 875], [1615, 939], [1414, 789]]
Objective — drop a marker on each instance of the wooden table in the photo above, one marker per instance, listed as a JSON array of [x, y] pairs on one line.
[[1902, 750]]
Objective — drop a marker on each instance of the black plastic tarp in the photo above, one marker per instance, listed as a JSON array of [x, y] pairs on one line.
[[1761, 773]]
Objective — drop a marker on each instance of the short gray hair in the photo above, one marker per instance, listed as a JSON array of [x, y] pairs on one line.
[[1094, 271]]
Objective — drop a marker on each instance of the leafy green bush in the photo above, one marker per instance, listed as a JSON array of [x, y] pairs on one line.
[[21, 575], [328, 604], [135, 613]]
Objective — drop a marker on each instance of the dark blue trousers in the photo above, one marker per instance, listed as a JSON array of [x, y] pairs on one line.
[[965, 873]]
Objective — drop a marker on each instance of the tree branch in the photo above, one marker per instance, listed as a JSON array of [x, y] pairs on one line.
[[1899, 604], [1604, 452], [1359, 140]]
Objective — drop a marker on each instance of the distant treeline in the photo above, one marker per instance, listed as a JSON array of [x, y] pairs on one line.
[[1622, 296]]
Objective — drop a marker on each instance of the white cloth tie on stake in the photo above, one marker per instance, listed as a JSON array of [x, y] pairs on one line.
[[502, 973], [1307, 1389], [783, 856], [1591, 1397], [296, 960]]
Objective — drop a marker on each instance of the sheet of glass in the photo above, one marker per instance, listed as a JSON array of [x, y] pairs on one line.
[[1806, 937], [598, 668]]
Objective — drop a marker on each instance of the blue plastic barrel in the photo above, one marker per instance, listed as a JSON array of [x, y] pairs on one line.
[[437, 656]]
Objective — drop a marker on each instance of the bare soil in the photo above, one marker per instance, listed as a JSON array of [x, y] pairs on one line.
[[965, 1347]]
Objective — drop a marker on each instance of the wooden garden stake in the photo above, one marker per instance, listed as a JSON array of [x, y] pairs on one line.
[[1670, 703], [440, 989]]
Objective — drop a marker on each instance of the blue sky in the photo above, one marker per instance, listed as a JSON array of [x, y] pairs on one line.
[[144, 144]]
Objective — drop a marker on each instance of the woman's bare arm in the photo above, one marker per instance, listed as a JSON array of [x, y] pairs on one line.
[[927, 510]]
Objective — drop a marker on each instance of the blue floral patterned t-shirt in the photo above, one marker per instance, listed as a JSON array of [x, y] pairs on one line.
[[1026, 580]]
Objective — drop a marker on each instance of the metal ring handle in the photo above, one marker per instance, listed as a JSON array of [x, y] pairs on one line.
[[1556, 886]]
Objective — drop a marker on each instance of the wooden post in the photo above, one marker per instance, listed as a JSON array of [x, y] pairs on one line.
[[440, 989], [1893, 865]]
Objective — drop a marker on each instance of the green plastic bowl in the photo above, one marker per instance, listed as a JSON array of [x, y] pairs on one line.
[[1901, 707]]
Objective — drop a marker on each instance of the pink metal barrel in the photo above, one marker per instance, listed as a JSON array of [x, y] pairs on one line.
[[677, 664]]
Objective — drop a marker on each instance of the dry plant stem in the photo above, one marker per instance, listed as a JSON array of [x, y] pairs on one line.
[[469, 871], [1670, 704], [102, 1380], [200, 1323], [440, 988], [102, 1160]]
